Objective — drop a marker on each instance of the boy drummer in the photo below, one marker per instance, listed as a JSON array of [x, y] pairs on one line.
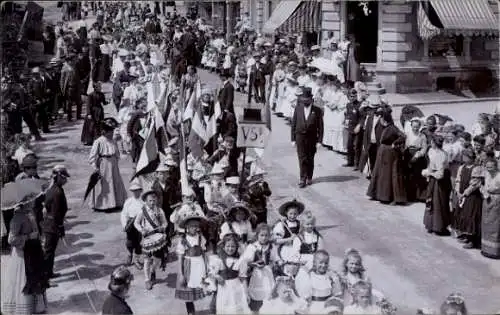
[[152, 224]]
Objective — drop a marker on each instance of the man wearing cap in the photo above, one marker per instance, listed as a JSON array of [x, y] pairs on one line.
[[307, 133], [257, 81], [37, 88], [56, 207], [70, 88], [351, 120]]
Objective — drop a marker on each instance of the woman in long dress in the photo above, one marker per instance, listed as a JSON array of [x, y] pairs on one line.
[[109, 194], [437, 215], [24, 281], [490, 225], [95, 114], [387, 181], [335, 103]]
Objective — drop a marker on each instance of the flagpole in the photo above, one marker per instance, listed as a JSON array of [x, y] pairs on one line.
[[183, 161]]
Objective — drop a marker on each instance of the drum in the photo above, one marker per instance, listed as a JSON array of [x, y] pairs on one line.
[[153, 243]]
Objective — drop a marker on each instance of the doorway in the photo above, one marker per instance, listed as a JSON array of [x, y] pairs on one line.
[[363, 25]]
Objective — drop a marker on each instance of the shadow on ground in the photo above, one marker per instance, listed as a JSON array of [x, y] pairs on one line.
[[334, 179], [87, 267], [79, 303]]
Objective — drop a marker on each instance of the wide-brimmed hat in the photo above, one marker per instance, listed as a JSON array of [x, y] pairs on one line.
[[110, 123], [60, 169], [374, 100], [305, 92], [191, 211], [147, 193], [29, 161], [283, 209], [315, 48], [239, 205], [135, 185]]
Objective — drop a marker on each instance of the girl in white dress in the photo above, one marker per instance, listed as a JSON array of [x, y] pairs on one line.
[[338, 59], [229, 277], [290, 100], [308, 242], [287, 229], [259, 257], [238, 223], [335, 103], [277, 79], [285, 300], [191, 251], [321, 287]]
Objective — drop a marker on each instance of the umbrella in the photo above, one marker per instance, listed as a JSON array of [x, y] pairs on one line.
[[325, 65], [93, 180], [22, 191], [409, 112]]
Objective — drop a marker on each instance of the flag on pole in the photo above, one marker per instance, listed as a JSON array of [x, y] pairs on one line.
[[202, 131]]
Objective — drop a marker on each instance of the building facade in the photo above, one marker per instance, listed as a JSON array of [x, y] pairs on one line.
[[413, 46]]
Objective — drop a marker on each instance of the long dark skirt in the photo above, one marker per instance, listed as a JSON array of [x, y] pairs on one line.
[[416, 184], [467, 218], [387, 182], [437, 216], [36, 281], [104, 68], [89, 131]]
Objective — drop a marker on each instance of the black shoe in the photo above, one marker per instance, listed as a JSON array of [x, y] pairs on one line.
[[55, 275], [153, 276], [309, 182], [302, 185], [348, 165]]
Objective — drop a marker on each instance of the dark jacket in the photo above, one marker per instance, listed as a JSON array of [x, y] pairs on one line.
[[115, 305], [352, 115], [312, 128], [227, 125], [226, 97], [56, 207]]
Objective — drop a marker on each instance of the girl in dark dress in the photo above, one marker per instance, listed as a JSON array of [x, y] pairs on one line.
[[437, 214], [387, 181], [467, 214], [95, 115], [119, 285]]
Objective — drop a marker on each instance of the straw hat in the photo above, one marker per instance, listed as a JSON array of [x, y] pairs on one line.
[[233, 180], [239, 205], [188, 212], [135, 185], [147, 193], [283, 209]]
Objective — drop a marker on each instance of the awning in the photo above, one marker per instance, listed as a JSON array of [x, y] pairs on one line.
[[306, 18], [426, 29], [466, 17], [282, 12]]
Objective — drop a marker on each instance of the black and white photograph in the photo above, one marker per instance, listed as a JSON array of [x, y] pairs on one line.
[[250, 157]]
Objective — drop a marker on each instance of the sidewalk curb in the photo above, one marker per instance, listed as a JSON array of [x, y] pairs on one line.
[[444, 102]]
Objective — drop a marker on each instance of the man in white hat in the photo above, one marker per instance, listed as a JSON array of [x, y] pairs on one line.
[[131, 208], [56, 207], [372, 131]]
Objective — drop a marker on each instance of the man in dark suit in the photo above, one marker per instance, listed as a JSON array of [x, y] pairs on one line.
[[371, 136], [37, 87], [307, 133], [352, 117], [56, 207], [257, 81], [70, 87], [226, 94]]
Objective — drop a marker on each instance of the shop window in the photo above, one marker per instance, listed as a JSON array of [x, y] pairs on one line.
[[444, 46]]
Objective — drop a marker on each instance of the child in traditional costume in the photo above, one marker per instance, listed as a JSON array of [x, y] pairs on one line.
[[286, 229], [132, 207], [353, 271], [308, 242], [152, 224], [284, 299], [191, 251], [454, 305], [320, 285], [258, 192], [259, 257], [238, 223], [229, 276]]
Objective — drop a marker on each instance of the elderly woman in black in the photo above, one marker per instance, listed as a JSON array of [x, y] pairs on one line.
[[437, 215], [387, 182], [119, 285]]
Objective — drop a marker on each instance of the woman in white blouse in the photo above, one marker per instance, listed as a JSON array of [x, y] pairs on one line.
[[109, 194], [335, 102], [416, 151]]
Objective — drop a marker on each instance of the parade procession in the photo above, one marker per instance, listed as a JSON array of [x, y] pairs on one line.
[[166, 140]]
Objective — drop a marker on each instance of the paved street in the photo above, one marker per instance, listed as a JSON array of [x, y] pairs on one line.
[[411, 267]]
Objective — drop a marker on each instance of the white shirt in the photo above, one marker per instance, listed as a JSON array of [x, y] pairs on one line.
[[373, 138], [131, 208], [239, 228], [307, 111]]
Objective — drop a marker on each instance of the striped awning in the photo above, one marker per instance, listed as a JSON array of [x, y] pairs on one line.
[[283, 11], [426, 29], [466, 17], [306, 18]]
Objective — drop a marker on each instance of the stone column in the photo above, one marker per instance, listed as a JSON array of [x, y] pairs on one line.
[[331, 20]]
